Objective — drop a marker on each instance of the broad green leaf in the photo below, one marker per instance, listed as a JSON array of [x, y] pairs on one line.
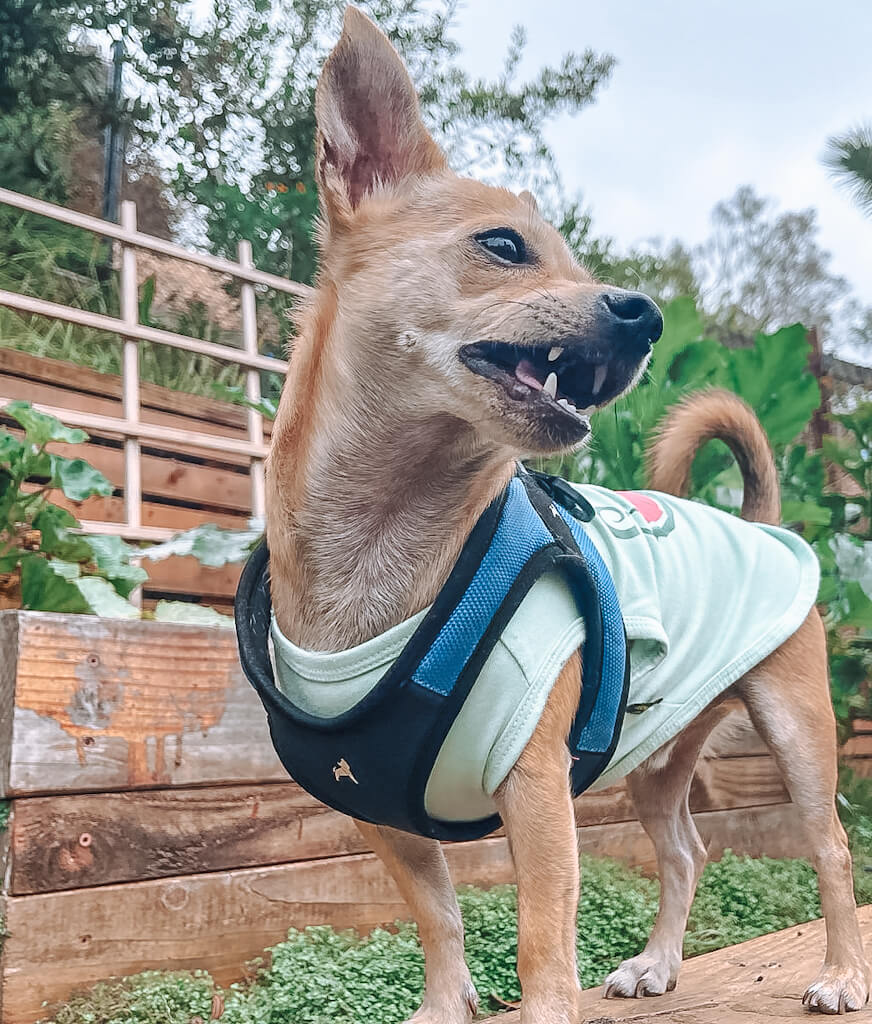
[[40, 428], [681, 327], [805, 512], [9, 561], [102, 599], [209, 544], [196, 614], [858, 607], [55, 525], [10, 448], [112, 557], [44, 588], [77, 479]]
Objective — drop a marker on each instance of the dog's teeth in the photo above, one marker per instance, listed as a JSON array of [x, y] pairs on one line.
[[555, 353], [550, 386], [563, 402], [599, 378]]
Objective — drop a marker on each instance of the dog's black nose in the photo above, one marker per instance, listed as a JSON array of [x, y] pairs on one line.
[[633, 316]]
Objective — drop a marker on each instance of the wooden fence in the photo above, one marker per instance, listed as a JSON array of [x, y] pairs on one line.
[[181, 486], [140, 428]]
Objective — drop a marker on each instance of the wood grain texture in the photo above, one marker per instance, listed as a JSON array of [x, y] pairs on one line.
[[72, 841], [103, 704], [8, 667], [218, 921], [84, 381], [754, 983]]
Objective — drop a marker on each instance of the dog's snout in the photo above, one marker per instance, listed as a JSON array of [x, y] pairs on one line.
[[633, 315]]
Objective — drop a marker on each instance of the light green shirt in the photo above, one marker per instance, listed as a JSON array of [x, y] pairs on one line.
[[705, 596]]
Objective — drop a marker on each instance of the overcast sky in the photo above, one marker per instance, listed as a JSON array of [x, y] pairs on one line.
[[707, 95]]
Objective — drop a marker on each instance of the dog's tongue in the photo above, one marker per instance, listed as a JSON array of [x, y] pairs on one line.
[[525, 371]]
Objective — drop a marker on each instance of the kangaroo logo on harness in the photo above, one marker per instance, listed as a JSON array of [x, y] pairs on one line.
[[342, 770]]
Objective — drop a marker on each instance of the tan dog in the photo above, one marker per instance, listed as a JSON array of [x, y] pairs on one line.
[[398, 426]]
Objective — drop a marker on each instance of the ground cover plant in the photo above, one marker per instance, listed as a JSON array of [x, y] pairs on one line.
[[321, 976]]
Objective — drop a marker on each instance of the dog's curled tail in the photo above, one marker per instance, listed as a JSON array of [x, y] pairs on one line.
[[703, 417]]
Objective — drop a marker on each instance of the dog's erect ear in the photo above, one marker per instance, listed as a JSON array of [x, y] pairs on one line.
[[529, 199], [369, 126]]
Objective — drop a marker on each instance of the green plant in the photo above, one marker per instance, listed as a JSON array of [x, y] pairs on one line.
[[47, 563]]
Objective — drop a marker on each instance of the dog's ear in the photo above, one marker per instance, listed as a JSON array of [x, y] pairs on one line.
[[369, 126], [529, 199]]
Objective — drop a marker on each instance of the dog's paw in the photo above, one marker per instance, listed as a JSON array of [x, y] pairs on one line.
[[460, 1010], [643, 975], [838, 990]]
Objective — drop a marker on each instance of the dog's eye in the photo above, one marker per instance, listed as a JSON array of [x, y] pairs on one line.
[[505, 244]]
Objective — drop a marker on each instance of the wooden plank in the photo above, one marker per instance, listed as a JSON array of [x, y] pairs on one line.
[[106, 704], [134, 836], [8, 662], [72, 841], [85, 381], [760, 980], [61, 398], [184, 482], [154, 513], [218, 921]]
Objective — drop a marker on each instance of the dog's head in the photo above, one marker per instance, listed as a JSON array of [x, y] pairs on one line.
[[450, 297]]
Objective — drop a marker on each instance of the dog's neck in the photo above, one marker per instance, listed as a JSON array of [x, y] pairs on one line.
[[369, 508]]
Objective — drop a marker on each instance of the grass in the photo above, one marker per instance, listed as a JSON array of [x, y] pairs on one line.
[[64, 266], [320, 976]]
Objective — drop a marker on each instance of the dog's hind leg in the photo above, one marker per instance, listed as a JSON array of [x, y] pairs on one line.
[[536, 806], [660, 789], [788, 698], [418, 867]]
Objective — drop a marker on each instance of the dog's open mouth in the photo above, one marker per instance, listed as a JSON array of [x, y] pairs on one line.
[[573, 379]]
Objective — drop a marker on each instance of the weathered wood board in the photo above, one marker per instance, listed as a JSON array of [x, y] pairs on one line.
[[95, 704], [756, 982], [72, 841], [57, 941]]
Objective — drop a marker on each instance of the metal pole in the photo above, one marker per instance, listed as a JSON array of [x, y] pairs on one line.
[[252, 385], [130, 380], [113, 148]]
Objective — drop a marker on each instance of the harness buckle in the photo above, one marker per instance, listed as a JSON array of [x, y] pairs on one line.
[[565, 495]]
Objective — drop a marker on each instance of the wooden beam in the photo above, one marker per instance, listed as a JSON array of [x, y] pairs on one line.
[[217, 921], [73, 841], [107, 704], [757, 982]]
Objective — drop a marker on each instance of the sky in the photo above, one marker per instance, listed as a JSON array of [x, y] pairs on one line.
[[707, 95]]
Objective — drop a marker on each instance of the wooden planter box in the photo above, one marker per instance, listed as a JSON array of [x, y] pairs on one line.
[[152, 825]]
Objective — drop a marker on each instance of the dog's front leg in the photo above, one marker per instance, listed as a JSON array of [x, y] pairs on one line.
[[536, 806], [418, 867]]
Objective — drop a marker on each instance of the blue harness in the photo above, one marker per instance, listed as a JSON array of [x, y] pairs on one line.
[[394, 734]]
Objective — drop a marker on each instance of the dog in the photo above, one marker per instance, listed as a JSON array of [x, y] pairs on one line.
[[397, 429]]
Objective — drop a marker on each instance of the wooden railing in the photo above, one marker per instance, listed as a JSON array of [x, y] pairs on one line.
[[130, 424]]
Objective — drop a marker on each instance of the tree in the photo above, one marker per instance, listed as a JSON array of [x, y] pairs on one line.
[[761, 270], [238, 117], [849, 159], [758, 270]]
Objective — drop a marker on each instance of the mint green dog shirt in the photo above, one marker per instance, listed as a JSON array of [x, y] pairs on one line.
[[705, 596]]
